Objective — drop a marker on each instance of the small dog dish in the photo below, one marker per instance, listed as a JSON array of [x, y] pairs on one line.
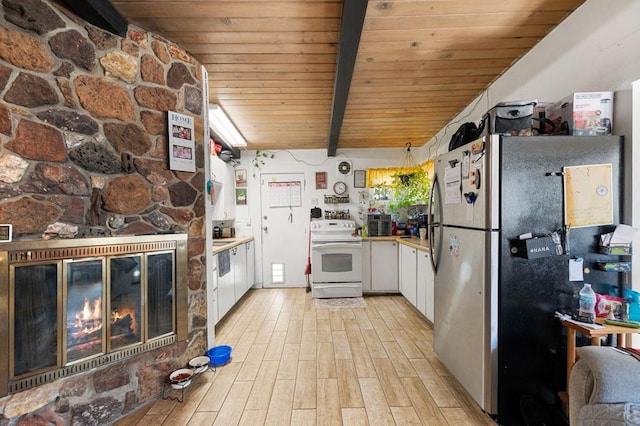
[[181, 376], [199, 364]]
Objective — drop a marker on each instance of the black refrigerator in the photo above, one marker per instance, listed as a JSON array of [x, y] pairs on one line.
[[494, 324]]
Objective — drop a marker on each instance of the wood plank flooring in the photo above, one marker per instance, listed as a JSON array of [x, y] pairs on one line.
[[293, 364]]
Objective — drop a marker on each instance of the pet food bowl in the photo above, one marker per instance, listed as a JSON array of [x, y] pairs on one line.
[[181, 376], [199, 364], [219, 355]]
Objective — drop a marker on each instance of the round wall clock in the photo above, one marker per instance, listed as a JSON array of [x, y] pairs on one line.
[[340, 188]]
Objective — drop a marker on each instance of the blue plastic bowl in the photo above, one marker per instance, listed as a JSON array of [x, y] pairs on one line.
[[219, 355]]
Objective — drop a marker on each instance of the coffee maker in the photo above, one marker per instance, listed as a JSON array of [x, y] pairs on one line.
[[223, 228]]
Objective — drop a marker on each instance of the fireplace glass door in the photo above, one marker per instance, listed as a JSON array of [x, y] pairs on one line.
[[35, 309], [125, 296], [84, 295], [160, 283]]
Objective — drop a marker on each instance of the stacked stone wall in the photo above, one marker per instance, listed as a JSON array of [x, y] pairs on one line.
[[83, 153]]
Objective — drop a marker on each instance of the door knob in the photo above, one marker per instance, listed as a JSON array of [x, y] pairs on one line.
[[265, 229]]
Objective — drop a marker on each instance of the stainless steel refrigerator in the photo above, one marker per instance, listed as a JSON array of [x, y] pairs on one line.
[[494, 325]]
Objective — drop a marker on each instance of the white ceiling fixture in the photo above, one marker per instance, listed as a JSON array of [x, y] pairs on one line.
[[224, 128]]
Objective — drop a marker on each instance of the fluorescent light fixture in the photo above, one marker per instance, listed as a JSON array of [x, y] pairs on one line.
[[223, 127]]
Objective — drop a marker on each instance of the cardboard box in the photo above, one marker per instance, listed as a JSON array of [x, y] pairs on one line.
[[592, 113], [582, 114], [561, 114], [534, 248]]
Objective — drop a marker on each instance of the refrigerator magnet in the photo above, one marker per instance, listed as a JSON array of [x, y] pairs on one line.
[[454, 245], [477, 147]]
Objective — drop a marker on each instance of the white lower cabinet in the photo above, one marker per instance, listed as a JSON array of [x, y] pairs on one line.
[[212, 304], [235, 279], [409, 273], [251, 264], [425, 285], [416, 279], [226, 283], [380, 267], [239, 266]]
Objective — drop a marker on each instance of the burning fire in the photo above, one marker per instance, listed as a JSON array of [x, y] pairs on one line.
[[89, 318], [118, 314]]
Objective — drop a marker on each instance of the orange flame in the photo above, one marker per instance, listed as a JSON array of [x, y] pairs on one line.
[[89, 318]]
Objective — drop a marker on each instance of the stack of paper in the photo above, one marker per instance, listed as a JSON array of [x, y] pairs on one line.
[[622, 236]]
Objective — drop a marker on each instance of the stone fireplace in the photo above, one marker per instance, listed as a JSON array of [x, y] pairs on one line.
[[84, 166], [77, 304]]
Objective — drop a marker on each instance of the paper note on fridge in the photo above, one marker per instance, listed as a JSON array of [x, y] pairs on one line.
[[576, 270], [452, 183]]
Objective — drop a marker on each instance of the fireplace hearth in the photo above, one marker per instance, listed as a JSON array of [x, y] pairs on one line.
[[71, 305]]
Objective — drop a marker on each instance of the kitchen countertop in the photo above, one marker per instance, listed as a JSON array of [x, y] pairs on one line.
[[222, 244], [414, 242]]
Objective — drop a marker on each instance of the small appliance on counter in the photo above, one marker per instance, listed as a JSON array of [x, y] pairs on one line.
[[417, 215], [316, 213], [223, 228], [378, 224]]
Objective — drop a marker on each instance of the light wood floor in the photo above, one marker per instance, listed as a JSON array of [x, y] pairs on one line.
[[293, 364]]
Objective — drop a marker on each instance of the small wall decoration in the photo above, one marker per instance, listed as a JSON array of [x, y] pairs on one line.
[[241, 196], [5, 233], [181, 142], [241, 178], [321, 180], [359, 178]]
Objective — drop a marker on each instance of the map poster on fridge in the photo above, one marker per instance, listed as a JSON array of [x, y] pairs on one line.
[[181, 142]]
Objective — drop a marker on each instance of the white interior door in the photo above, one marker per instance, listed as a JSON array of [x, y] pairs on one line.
[[284, 229]]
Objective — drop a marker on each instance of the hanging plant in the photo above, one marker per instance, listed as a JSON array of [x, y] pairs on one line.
[[259, 160], [409, 189]]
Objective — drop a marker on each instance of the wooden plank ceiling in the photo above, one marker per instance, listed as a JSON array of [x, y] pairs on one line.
[[272, 64]]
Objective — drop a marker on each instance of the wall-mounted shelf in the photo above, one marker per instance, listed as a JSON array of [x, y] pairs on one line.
[[613, 266], [336, 199]]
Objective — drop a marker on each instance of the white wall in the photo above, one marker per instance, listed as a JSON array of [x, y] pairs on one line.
[[247, 217], [597, 48]]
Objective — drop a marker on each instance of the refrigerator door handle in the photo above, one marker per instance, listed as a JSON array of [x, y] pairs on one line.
[[434, 187], [435, 203], [435, 251], [431, 258]]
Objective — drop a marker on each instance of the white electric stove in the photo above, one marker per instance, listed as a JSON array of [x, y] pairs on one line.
[[336, 259]]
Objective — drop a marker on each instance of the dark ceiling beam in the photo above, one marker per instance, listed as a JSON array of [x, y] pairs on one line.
[[353, 12], [100, 13]]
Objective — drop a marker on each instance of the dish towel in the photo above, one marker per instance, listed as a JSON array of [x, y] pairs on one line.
[[224, 263]]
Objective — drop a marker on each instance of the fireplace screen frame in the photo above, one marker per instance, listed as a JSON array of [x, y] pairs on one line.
[[63, 253]]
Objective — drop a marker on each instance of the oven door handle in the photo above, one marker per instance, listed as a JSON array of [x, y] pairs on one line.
[[337, 245], [341, 285]]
